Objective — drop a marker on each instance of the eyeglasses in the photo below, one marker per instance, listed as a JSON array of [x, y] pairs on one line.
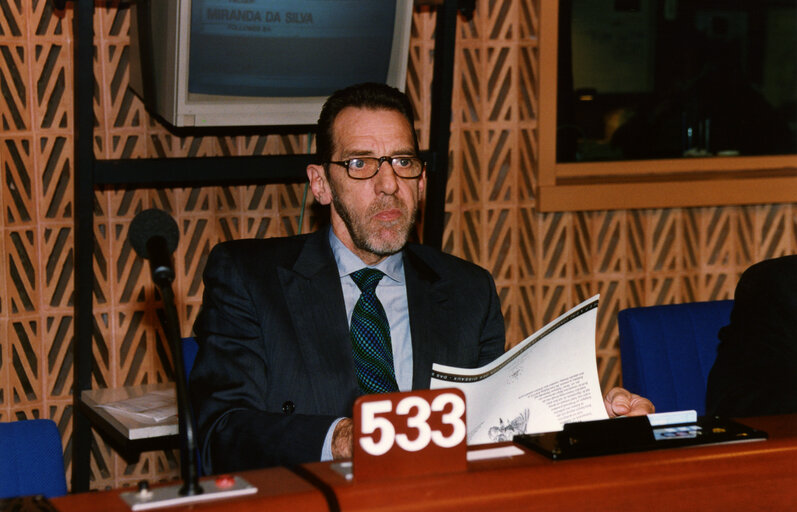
[[366, 167]]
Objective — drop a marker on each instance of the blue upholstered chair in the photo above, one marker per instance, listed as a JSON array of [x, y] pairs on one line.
[[667, 351], [190, 348], [31, 459]]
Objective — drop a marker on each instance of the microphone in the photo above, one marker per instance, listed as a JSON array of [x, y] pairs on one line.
[[154, 235]]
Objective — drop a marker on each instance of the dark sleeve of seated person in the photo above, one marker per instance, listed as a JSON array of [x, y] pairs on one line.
[[755, 372]]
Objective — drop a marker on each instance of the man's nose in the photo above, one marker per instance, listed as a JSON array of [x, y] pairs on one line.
[[386, 179]]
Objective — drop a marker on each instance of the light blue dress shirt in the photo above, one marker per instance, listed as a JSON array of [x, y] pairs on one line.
[[392, 293]]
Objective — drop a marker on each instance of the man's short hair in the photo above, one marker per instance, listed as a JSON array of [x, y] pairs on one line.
[[371, 96]]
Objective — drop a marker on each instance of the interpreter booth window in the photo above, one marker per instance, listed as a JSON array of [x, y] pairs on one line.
[[663, 79]]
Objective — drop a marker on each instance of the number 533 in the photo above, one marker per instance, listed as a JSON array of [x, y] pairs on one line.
[[411, 421]]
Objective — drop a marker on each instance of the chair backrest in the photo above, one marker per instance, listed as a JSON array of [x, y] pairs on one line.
[[667, 351], [190, 348], [31, 459]]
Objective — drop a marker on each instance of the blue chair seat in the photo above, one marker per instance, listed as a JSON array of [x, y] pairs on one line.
[[31, 459], [667, 351]]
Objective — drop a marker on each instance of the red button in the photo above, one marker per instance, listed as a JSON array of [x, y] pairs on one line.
[[225, 481]]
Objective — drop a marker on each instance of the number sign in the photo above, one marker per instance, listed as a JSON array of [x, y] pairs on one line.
[[412, 433]]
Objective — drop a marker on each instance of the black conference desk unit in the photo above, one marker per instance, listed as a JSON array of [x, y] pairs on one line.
[[759, 475]]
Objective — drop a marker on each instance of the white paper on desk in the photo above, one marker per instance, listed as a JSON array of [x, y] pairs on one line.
[[152, 406], [547, 380]]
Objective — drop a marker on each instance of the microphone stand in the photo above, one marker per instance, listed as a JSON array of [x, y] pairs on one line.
[[163, 275], [150, 235]]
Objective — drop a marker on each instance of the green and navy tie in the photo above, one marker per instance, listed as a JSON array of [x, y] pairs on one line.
[[370, 337]]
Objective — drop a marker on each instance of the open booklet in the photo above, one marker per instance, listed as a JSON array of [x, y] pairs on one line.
[[547, 380]]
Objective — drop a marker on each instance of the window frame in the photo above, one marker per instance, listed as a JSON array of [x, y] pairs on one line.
[[667, 183]]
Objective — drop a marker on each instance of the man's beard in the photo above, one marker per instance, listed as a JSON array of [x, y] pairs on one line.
[[369, 240]]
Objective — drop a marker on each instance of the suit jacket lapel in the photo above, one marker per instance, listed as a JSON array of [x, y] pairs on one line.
[[426, 307], [315, 301]]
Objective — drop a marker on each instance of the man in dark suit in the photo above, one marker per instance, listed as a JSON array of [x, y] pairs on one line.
[[755, 372], [275, 377]]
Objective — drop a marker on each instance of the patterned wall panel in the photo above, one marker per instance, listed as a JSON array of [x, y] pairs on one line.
[[56, 354], [15, 86], [5, 384], [542, 263], [25, 352], [18, 198], [22, 287]]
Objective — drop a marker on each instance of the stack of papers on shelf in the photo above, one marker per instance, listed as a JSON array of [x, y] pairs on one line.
[[153, 406]]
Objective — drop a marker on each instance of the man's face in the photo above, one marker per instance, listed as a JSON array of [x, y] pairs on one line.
[[373, 217]]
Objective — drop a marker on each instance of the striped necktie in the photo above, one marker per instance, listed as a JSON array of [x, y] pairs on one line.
[[370, 337]]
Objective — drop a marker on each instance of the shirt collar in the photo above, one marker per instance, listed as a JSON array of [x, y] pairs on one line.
[[348, 262]]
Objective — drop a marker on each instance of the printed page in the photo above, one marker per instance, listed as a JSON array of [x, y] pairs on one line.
[[549, 379]]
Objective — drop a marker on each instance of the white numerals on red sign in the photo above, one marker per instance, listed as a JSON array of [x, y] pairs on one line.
[[419, 422]]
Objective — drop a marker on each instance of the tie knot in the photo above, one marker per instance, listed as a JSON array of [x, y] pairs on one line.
[[367, 278]]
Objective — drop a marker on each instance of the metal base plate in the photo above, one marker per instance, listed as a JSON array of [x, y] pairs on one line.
[[170, 495]]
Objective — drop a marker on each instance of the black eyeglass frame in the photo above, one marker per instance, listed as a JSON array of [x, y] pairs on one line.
[[379, 161]]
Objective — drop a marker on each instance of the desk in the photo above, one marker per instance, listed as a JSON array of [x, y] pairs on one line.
[[741, 476]]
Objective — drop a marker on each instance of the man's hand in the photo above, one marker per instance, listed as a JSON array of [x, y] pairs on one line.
[[621, 402], [343, 439]]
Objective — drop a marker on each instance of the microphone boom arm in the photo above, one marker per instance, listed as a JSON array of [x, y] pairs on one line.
[[188, 465]]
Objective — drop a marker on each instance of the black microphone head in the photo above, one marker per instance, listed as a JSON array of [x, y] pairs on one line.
[[150, 223]]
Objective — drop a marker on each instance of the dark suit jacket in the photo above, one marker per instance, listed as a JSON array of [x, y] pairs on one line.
[[274, 367], [755, 372]]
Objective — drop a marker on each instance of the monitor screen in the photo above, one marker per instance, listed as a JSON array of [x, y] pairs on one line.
[[313, 49], [262, 62]]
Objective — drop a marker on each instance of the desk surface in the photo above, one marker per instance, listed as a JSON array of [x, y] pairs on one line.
[[740, 476]]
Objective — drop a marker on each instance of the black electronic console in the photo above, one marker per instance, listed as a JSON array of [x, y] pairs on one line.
[[638, 433]]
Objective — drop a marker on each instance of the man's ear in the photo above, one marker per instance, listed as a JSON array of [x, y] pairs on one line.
[[318, 183]]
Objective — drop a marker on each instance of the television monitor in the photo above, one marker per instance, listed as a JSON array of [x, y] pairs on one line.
[[206, 63]]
